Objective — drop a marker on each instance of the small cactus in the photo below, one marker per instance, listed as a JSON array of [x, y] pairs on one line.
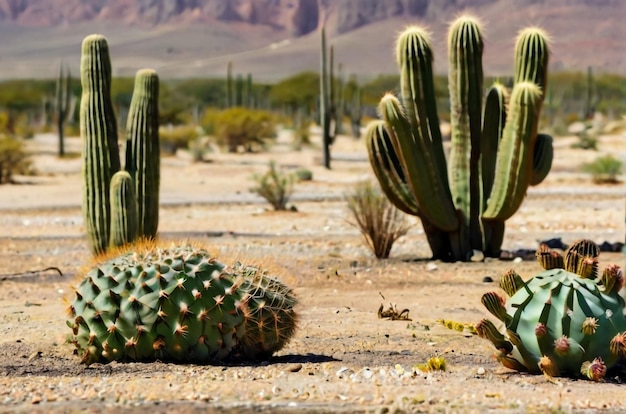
[[178, 303], [565, 321]]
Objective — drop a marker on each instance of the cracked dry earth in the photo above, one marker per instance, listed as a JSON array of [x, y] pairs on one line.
[[343, 357]]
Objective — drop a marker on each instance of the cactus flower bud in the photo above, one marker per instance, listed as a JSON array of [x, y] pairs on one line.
[[618, 345], [590, 325], [562, 345], [594, 370], [541, 330]]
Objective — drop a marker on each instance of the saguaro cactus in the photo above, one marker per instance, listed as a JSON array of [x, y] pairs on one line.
[[496, 152], [136, 191], [326, 103], [63, 100], [99, 133], [143, 151]]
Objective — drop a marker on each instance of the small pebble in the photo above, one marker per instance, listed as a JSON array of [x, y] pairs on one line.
[[431, 267], [480, 371]]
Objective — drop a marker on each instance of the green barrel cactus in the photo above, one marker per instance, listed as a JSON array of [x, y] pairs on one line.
[[98, 129], [496, 152], [179, 304], [566, 321]]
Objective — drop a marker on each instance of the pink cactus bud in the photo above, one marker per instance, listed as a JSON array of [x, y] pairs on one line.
[[594, 370], [590, 325], [541, 330], [561, 345]]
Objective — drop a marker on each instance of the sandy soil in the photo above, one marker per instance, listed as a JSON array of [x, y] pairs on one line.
[[343, 358]]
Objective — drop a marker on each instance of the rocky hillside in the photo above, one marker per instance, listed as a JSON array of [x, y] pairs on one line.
[[275, 38], [298, 17]]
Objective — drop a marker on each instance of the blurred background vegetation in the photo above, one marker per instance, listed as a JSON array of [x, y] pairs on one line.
[[191, 108]]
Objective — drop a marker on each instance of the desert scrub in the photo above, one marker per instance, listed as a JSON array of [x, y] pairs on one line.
[[13, 159], [274, 186], [378, 220], [304, 174], [241, 128], [604, 170], [177, 137]]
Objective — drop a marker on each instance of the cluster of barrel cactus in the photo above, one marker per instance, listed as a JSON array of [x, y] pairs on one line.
[[118, 206], [496, 152], [178, 303], [566, 321]]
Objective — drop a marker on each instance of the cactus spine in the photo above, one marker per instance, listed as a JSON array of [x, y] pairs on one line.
[[99, 133], [143, 151], [464, 201]]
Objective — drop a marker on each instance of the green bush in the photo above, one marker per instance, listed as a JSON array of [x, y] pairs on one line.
[[13, 159], [304, 174], [274, 186], [173, 138], [239, 127], [604, 170], [379, 221], [586, 141]]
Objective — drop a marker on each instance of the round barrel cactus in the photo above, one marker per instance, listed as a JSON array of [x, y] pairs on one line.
[[179, 304], [565, 321]]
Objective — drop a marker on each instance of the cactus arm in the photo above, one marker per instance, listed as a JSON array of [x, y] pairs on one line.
[[414, 57], [465, 79], [388, 169], [543, 153], [427, 185], [494, 120], [531, 57], [514, 168], [142, 149], [123, 210], [99, 134]]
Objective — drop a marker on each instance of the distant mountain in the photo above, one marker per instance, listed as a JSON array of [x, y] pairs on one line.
[[274, 38]]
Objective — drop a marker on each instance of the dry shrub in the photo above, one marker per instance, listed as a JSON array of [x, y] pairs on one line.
[[13, 159], [604, 170], [274, 186], [378, 220]]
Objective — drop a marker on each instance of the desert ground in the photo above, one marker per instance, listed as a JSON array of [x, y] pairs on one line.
[[343, 358]]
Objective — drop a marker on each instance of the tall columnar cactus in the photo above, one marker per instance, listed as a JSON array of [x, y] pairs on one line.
[[63, 100], [325, 100], [178, 303], [99, 133], [101, 158], [230, 100], [565, 321], [143, 150], [496, 152]]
